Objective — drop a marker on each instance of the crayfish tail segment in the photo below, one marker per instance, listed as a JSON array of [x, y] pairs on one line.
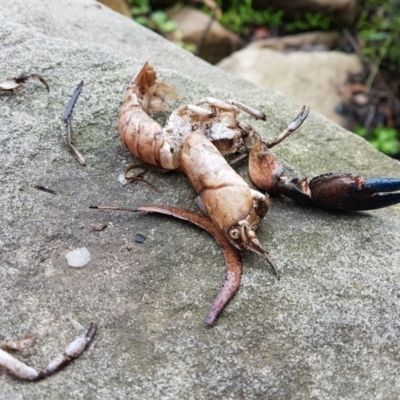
[[142, 135], [151, 93], [22, 371], [232, 257]]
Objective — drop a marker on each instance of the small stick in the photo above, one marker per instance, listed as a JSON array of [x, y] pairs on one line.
[[71, 104], [45, 189], [67, 119], [353, 42], [139, 176], [77, 154], [205, 33]]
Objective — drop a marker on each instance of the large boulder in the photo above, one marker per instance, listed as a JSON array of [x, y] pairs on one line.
[[213, 41], [328, 329], [310, 77], [120, 6]]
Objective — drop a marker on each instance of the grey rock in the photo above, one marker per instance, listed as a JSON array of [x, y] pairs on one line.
[[212, 40], [328, 329], [311, 77]]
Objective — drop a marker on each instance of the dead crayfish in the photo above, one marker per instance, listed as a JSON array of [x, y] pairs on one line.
[[195, 141]]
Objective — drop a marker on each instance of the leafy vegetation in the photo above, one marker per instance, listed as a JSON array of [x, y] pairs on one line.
[[378, 25], [309, 22], [159, 22], [240, 17], [384, 139]]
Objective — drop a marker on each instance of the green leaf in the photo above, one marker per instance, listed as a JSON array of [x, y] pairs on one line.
[[143, 21], [159, 17], [139, 11], [375, 143], [169, 26], [391, 147], [384, 134], [360, 130]]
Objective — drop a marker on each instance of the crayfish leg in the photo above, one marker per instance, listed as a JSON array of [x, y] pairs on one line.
[[264, 168]]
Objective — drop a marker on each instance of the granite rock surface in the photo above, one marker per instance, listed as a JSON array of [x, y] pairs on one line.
[[328, 329]]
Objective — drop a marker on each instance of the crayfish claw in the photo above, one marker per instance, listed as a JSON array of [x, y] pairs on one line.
[[296, 123], [344, 192], [353, 192]]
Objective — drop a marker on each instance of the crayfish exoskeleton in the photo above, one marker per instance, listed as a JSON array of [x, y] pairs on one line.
[[195, 139], [70, 353]]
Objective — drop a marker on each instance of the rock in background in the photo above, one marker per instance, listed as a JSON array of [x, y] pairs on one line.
[[312, 77], [120, 6], [214, 42], [328, 329]]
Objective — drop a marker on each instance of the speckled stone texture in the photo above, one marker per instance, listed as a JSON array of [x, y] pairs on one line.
[[328, 329]]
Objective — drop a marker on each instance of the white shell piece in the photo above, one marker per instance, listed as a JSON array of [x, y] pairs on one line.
[[76, 324], [200, 204], [9, 85], [122, 180], [220, 131], [78, 258], [17, 367]]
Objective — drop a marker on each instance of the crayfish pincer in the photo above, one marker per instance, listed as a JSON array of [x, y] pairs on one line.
[[195, 140]]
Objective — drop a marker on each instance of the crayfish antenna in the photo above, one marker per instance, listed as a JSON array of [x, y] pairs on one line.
[[255, 247], [250, 242]]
